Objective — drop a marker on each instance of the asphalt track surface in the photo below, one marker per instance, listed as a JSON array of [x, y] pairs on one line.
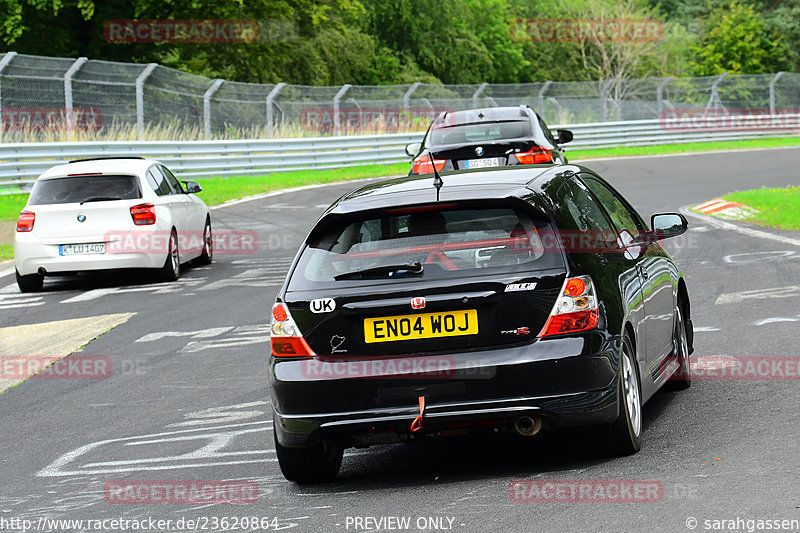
[[187, 395]]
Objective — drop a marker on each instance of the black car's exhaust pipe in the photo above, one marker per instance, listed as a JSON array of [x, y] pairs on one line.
[[528, 426]]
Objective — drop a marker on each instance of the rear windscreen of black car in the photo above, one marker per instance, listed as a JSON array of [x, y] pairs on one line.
[[77, 189], [481, 132], [449, 241]]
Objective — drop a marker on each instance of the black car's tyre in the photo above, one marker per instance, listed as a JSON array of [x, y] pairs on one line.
[[318, 464], [208, 245], [682, 378], [625, 436], [171, 270], [29, 283]]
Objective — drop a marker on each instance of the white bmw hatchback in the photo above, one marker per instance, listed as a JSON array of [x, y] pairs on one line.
[[99, 214]]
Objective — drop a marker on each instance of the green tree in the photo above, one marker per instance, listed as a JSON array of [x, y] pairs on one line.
[[735, 40]]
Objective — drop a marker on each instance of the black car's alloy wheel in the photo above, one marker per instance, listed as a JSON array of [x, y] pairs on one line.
[[682, 378], [626, 432]]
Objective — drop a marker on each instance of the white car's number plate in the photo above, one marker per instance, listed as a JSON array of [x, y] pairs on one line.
[[483, 163], [82, 249]]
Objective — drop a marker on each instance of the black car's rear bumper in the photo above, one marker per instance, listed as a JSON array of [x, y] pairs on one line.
[[567, 382]]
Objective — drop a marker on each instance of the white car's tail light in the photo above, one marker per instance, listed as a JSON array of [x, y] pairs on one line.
[[143, 214], [575, 310], [25, 221], [285, 338]]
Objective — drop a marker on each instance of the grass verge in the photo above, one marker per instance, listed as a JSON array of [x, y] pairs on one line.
[[778, 208], [6, 252], [222, 189], [777, 142]]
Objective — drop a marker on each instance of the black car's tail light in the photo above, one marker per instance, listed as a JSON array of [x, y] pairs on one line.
[[285, 338], [575, 310], [422, 165], [535, 155], [25, 221]]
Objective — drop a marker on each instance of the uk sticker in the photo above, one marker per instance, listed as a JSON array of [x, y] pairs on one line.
[[513, 287], [322, 305]]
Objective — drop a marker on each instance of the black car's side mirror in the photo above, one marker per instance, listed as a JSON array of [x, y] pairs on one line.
[[666, 225], [192, 187], [413, 149], [564, 136]]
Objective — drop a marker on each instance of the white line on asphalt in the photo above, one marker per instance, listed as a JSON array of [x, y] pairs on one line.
[[789, 291], [773, 320], [747, 231], [704, 328]]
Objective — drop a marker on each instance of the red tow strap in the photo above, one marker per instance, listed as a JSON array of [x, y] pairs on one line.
[[416, 425]]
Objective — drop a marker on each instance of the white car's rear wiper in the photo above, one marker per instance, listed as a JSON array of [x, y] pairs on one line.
[[100, 199], [396, 270]]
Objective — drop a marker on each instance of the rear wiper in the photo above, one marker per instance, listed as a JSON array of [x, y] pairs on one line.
[[100, 199], [392, 270]]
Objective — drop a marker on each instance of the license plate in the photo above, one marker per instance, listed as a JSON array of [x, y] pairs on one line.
[[421, 326], [82, 249], [483, 163]]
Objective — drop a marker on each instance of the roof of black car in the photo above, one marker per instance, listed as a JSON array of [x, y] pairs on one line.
[[458, 186]]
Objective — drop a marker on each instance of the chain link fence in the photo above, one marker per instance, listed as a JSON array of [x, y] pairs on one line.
[[57, 99]]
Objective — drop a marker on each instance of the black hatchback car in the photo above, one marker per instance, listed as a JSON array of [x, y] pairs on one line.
[[489, 137], [504, 301]]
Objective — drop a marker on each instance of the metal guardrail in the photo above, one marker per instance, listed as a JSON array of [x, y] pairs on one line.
[[20, 163]]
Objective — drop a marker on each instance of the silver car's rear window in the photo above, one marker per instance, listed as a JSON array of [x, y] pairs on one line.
[[77, 189], [481, 132], [448, 241]]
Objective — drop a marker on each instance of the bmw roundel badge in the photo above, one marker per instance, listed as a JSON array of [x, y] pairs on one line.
[[479, 151], [81, 217]]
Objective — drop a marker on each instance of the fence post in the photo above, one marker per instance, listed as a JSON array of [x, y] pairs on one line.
[[270, 99], [771, 91], [408, 93], [71, 71], [207, 106], [3, 64], [713, 100], [477, 93], [140, 79], [660, 95], [336, 99], [558, 107], [540, 96], [603, 100]]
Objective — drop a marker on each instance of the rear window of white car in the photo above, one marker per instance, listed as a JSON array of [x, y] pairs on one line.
[[448, 241], [78, 189]]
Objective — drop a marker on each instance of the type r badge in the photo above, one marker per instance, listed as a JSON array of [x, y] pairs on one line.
[[322, 305]]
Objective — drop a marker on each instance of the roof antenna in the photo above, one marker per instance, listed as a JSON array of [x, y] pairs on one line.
[[437, 180]]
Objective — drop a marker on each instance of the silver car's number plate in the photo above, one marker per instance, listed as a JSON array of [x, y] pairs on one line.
[[483, 163], [82, 249]]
